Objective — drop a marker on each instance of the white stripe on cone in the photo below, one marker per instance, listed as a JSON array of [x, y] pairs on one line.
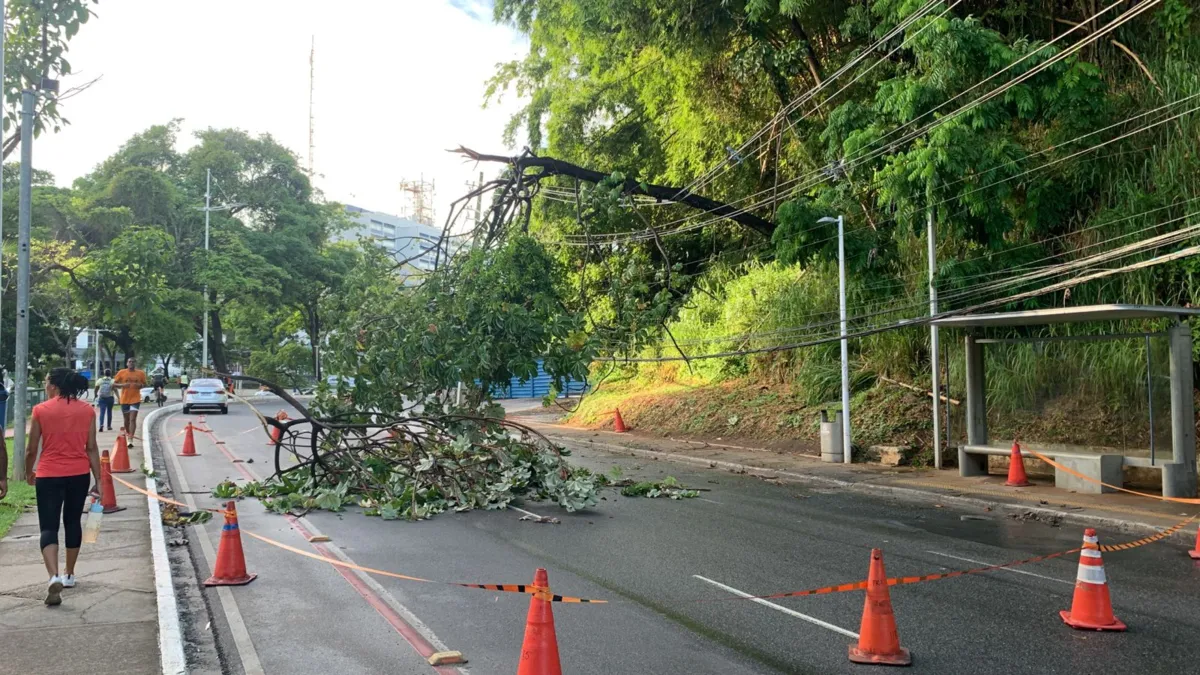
[[1090, 575]]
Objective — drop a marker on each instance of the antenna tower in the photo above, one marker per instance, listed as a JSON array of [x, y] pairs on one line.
[[418, 201], [312, 59]]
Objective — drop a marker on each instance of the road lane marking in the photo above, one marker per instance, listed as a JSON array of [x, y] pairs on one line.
[[790, 612], [1002, 569], [531, 514], [708, 500], [233, 616]]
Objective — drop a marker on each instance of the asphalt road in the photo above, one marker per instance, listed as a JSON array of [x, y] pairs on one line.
[[670, 570]]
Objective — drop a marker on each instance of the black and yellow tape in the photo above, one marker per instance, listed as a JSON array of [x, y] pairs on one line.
[[902, 581]]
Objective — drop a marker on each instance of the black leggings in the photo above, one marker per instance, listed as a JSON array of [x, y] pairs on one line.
[[62, 498]]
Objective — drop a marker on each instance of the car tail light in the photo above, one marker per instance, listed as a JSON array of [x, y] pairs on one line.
[[192, 391]]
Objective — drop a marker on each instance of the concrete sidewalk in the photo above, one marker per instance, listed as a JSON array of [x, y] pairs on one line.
[[110, 617], [1042, 501]]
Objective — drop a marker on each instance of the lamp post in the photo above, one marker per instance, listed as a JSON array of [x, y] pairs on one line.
[[846, 447]]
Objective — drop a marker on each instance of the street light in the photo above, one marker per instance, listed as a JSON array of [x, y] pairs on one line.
[[846, 448]]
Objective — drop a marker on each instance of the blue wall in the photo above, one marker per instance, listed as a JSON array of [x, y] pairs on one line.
[[537, 387]]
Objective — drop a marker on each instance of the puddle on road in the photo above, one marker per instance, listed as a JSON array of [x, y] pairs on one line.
[[998, 530]]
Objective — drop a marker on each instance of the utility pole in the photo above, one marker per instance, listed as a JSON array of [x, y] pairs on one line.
[[936, 378], [96, 348], [207, 210], [21, 377], [3, 109], [846, 447]]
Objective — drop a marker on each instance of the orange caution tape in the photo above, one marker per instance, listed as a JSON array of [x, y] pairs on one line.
[[527, 589], [903, 581], [158, 497], [1073, 472]]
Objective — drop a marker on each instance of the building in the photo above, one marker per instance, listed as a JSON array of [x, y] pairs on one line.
[[407, 240]]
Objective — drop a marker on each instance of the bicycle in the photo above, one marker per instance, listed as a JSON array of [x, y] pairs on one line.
[[160, 396]]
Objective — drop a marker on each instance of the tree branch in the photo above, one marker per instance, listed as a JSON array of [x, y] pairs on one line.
[[557, 167]]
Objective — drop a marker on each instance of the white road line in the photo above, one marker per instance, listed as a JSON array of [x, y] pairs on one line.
[[708, 500], [531, 514], [233, 616], [1002, 569], [790, 612]]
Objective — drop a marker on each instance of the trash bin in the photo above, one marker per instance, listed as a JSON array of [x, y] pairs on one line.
[[831, 437]]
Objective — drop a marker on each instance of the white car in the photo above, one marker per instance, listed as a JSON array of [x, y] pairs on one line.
[[205, 393]]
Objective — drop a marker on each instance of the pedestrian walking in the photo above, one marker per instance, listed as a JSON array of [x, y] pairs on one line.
[[129, 382], [104, 398], [183, 382], [64, 429]]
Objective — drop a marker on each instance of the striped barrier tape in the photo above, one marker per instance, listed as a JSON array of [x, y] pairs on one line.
[[903, 581], [1073, 472], [524, 589]]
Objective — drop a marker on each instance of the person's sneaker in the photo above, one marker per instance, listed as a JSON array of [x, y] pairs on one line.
[[68, 581], [54, 591]]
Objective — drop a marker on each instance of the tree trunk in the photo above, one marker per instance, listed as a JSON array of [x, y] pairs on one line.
[[124, 342], [556, 167], [216, 343]]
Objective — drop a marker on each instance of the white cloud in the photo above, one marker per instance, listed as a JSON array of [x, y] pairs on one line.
[[397, 83]]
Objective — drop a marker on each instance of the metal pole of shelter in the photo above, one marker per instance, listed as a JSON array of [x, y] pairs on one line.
[[21, 377]]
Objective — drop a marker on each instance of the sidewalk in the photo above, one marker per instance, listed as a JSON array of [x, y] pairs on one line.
[[1042, 501], [108, 623]]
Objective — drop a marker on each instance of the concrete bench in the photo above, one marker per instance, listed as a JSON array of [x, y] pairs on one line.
[[973, 461]]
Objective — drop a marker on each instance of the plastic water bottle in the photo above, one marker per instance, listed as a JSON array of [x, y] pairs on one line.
[[91, 529]]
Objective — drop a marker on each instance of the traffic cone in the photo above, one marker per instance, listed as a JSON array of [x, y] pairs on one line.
[[120, 456], [108, 495], [1016, 469], [618, 423], [878, 641], [1091, 608], [230, 569], [276, 434], [189, 443], [539, 652], [1195, 553]]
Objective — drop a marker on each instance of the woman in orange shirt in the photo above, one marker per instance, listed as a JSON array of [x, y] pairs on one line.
[[66, 431]]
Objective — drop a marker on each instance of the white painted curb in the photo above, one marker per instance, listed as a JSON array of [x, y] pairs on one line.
[[170, 637]]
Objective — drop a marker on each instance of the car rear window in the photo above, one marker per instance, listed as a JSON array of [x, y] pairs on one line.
[[206, 384]]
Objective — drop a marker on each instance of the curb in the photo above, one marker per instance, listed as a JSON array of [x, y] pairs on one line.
[[170, 637], [1131, 526]]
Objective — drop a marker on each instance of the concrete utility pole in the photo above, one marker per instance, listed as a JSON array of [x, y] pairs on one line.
[[933, 346], [846, 447], [21, 377]]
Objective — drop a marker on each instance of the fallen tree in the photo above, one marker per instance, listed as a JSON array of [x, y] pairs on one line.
[[412, 466]]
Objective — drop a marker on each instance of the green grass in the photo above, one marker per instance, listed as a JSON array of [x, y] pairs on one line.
[[19, 495]]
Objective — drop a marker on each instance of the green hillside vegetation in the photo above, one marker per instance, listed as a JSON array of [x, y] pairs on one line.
[[1095, 147]]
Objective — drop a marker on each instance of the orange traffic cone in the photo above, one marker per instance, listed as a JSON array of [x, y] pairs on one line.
[[108, 495], [618, 423], [539, 652], [1195, 553], [1091, 608], [878, 641], [230, 569], [120, 456], [1016, 469], [189, 443]]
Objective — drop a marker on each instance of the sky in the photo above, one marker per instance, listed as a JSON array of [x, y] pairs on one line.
[[397, 82]]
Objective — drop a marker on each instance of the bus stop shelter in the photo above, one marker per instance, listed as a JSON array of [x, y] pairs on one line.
[[1178, 472]]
